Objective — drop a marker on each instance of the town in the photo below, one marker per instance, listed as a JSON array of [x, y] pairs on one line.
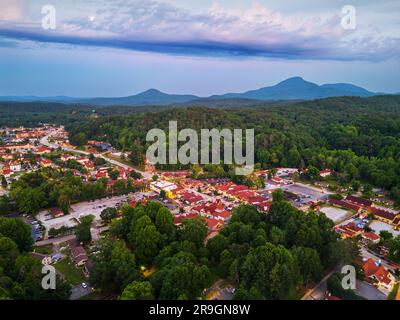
[[111, 183]]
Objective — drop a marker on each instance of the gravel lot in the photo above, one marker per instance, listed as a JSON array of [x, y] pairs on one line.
[[380, 226], [335, 214]]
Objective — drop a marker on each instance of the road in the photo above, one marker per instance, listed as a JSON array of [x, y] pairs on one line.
[[318, 292], [365, 254], [45, 141], [54, 240], [79, 292], [368, 291]]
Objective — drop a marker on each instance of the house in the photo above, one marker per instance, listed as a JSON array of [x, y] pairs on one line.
[[376, 272], [15, 166], [370, 237], [124, 173], [7, 173], [89, 165], [45, 163], [384, 215], [346, 205], [178, 219], [264, 206], [349, 230], [191, 198], [56, 212], [359, 201], [325, 173], [167, 187], [66, 157], [101, 173], [43, 150], [78, 253], [214, 224], [223, 216], [174, 175]]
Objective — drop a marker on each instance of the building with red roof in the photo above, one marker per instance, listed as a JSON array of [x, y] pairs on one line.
[[43, 150], [376, 272], [359, 201], [191, 198], [178, 219], [214, 224], [371, 237]]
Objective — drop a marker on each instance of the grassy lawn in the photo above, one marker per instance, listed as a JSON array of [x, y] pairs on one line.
[[72, 275], [45, 249]]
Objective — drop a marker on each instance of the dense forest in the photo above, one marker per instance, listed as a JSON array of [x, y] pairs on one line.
[[357, 137], [267, 257]]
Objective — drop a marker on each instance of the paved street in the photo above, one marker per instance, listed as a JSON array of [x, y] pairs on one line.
[[365, 254], [318, 292], [45, 142], [368, 291], [79, 292]]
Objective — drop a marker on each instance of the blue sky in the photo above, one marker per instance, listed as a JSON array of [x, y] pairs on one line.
[[122, 47]]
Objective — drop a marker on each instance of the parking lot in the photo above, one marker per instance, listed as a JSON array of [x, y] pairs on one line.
[[307, 192], [37, 229], [379, 226], [79, 210]]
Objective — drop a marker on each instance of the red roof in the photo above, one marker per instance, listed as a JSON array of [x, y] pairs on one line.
[[382, 213], [178, 219], [214, 223], [191, 197], [371, 236], [345, 204], [359, 201], [373, 269], [224, 214]]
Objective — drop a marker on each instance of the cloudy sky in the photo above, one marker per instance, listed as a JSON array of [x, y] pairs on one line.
[[204, 47]]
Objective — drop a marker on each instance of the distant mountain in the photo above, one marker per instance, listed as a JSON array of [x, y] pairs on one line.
[[298, 89], [295, 88], [149, 97]]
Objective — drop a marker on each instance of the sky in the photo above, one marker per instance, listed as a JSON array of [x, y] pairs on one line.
[[122, 47]]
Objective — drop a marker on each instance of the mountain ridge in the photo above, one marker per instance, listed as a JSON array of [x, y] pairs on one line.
[[294, 88]]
